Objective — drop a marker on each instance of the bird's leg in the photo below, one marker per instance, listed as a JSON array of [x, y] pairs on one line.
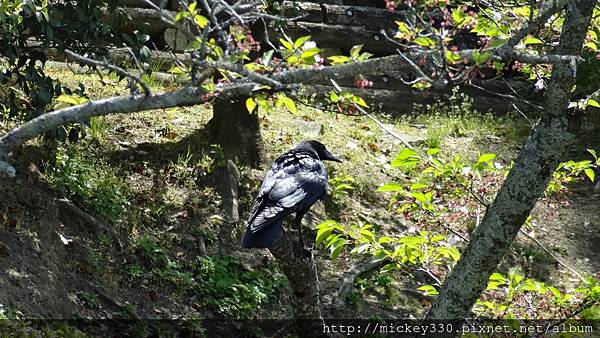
[[298, 224]]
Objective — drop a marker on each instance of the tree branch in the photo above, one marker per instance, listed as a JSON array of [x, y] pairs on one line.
[[104, 64], [351, 275]]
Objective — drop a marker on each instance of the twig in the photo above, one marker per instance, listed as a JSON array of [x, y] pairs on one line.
[[408, 145], [536, 241], [240, 69], [106, 65], [508, 96], [431, 275], [351, 275], [98, 226]]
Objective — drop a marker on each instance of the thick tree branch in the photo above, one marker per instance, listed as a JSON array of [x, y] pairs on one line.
[[186, 96], [192, 95]]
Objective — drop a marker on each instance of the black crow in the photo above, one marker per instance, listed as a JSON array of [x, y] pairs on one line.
[[296, 180]]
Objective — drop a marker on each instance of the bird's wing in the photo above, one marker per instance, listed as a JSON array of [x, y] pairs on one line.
[[294, 182]]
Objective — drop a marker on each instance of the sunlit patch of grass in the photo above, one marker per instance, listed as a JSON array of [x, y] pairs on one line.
[[458, 118], [88, 181]]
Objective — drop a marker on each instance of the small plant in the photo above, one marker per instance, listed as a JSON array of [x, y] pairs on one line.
[[151, 253], [421, 251], [183, 169], [435, 137], [89, 299], [231, 289], [97, 128], [135, 271], [514, 296], [126, 311], [341, 186], [569, 171], [90, 182]]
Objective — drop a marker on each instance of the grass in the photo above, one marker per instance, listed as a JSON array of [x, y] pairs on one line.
[[90, 182], [459, 119], [150, 172]]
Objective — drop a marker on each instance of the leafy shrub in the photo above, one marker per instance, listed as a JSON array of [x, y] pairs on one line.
[[231, 289], [90, 182]]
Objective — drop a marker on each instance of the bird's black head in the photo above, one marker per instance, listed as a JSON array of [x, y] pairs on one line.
[[319, 149]]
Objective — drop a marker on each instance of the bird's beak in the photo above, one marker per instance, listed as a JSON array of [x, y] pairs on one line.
[[330, 157]]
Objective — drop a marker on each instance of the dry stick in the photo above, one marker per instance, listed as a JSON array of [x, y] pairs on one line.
[[106, 65], [358, 269], [508, 96], [351, 275], [551, 254], [98, 225]]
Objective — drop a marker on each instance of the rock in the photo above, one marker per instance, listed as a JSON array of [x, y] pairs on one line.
[[308, 128]]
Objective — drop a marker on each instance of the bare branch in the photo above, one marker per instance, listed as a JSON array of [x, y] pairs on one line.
[[351, 275], [549, 8], [104, 64], [240, 69]]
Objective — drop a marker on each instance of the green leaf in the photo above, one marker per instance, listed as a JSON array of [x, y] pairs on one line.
[[388, 267], [310, 53], [591, 45], [380, 255], [339, 59], [333, 96], [324, 229], [192, 7], [200, 20], [361, 248], [590, 174], [486, 158], [412, 240], [359, 101], [454, 253], [407, 157], [417, 186], [355, 51], [457, 16], [425, 42], [428, 290], [532, 41], [403, 27], [385, 239], [72, 100], [480, 58], [286, 44], [337, 248], [433, 151], [290, 104], [300, 41], [452, 57], [593, 103], [181, 15], [250, 104], [555, 292], [391, 187]]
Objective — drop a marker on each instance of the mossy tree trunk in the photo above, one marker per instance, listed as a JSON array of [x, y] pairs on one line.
[[299, 266], [237, 132], [526, 182]]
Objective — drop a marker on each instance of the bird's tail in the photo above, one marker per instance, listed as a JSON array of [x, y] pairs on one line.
[[264, 238]]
